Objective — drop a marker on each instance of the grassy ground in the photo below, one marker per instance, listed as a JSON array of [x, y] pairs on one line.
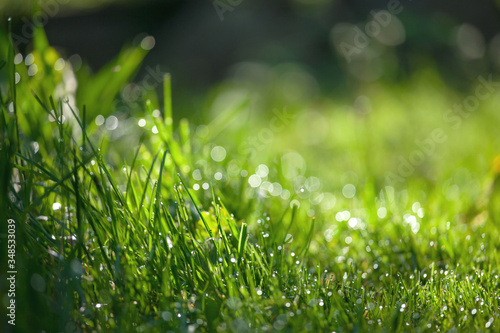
[[285, 212]]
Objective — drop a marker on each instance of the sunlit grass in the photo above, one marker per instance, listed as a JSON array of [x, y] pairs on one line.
[[276, 215]]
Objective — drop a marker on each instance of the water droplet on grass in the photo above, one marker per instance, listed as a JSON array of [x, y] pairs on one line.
[[218, 153], [349, 191], [382, 212], [59, 64], [148, 43], [29, 60], [254, 180], [18, 59], [32, 70]]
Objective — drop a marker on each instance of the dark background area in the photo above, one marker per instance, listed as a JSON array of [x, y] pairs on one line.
[[199, 49]]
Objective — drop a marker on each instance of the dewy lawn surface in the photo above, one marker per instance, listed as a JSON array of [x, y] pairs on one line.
[[283, 213]]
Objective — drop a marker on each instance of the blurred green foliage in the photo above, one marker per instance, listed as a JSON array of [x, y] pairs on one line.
[[115, 210]]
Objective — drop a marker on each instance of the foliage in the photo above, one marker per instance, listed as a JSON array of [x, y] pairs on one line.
[[169, 231]]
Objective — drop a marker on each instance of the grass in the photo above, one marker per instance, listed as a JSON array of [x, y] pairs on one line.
[[238, 225]]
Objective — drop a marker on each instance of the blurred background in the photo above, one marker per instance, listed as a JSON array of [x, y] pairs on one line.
[[354, 83], [201, 42]]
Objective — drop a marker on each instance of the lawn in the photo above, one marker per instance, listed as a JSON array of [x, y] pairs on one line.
[[273, 209]]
